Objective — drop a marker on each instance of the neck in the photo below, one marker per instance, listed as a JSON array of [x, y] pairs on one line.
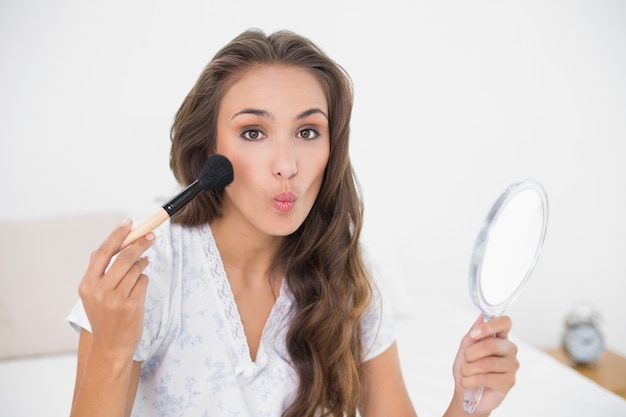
[[247, 254]]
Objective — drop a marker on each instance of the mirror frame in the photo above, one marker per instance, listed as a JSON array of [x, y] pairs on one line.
[[476, 290]]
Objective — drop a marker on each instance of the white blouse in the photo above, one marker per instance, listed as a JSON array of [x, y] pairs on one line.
[[194, 352]]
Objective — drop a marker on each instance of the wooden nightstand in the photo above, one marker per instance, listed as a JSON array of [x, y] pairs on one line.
[[609, 371]]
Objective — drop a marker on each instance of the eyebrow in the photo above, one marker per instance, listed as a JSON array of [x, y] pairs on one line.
[[256, 112], [267, 115], [309, 112]]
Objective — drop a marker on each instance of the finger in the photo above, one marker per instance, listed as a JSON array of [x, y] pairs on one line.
[[101, 257], [497, 326], [138, 293], [490, 346], [491, 372], [126, 259], [490, 364], [498, 382], [128, 282], [473, 333]]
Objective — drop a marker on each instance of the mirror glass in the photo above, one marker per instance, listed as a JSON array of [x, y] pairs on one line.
[[508, 246], [505, 253]]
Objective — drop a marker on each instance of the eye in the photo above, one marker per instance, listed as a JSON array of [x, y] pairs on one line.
[[308, 134], [252, 134]]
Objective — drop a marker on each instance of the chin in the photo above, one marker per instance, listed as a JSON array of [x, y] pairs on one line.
[[285, 228], [284, 232]]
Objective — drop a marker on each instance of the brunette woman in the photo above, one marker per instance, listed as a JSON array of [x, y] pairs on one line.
[[254, 300]]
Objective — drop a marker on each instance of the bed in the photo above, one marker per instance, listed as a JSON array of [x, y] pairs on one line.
[[42, 261]]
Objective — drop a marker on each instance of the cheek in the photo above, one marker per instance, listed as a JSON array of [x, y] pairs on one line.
[[316, 168], [242, 163], [246, 171], [319, 169], [321, 162]]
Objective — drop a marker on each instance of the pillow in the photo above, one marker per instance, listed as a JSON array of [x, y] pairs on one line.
[[41, 263]]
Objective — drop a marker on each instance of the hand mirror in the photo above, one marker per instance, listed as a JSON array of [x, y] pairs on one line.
[[505, 253]]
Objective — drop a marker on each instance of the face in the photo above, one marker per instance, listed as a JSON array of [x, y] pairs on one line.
[[273, 126]]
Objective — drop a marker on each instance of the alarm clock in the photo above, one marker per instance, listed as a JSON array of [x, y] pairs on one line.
[[583, 341]]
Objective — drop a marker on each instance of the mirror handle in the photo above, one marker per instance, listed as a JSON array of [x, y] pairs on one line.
[[472, 398], [473, 395]]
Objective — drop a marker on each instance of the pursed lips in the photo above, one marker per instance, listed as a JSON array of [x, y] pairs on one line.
[[284, 202]]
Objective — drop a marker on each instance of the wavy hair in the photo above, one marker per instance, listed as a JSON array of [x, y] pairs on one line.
[[322, 259]]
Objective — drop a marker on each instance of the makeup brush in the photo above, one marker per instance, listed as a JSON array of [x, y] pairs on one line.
[[216, 173]]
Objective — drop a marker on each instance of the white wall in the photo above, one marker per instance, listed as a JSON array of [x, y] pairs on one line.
[[454, 100]]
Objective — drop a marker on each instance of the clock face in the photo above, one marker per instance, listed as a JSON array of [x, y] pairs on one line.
[[584, 343]]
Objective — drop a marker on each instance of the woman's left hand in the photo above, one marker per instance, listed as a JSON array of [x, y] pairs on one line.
[[486, 358]]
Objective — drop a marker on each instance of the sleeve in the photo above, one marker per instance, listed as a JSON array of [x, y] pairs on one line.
[[161, 291], [77, 318], [378, 327]]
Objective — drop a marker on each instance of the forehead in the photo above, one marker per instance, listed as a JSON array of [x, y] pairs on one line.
[[275, 86]]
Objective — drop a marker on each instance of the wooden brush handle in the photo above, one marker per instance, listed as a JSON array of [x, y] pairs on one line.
[[145, 227]]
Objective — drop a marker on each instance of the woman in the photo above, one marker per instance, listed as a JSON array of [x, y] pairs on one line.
[[258, 302]]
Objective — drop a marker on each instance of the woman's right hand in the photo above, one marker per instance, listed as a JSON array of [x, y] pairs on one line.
[[113, 294]]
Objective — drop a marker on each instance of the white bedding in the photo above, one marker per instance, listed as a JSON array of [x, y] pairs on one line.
[[545, 387], [42, 386], [37, 387]]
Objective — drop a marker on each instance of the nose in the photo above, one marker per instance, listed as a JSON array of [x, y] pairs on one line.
[[285, 163]]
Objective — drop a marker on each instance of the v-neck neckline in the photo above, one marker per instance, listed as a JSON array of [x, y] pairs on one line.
[[245, 364]]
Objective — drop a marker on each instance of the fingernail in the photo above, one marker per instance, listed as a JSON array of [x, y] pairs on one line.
[[475, 334], [150, 236], [125, 222]]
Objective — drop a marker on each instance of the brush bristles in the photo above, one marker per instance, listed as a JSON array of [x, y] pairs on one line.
[[216, 173]]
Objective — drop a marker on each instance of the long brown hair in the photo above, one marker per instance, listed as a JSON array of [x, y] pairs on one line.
[[322, 259]]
